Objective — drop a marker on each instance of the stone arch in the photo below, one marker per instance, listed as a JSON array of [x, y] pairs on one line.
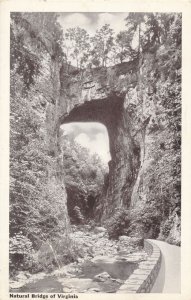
[[108, 96], [105, 111], [123, 165]]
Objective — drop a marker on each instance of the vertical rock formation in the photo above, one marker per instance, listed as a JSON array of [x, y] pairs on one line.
[[99, 95], [37, 192]]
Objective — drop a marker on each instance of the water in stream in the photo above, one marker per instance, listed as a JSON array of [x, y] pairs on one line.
[[117, 269], [83, 279]]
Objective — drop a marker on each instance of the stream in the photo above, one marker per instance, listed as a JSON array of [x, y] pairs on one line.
[[110, 265], [84, 279]]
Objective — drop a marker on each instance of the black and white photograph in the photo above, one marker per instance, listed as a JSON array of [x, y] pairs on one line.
[[95, 151]]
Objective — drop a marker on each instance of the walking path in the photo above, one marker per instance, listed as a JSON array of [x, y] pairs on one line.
[[168, 280]]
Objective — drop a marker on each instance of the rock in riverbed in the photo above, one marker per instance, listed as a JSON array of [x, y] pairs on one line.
[[102, 277]]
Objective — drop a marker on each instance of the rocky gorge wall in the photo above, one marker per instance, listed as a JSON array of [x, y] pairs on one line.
[[125, 99]]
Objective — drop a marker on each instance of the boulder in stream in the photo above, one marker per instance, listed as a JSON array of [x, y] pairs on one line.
[[102, 277]]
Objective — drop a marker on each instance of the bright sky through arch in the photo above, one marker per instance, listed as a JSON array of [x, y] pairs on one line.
[[91, 135]]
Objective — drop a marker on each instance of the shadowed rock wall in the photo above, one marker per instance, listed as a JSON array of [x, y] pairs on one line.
[[110, 96]]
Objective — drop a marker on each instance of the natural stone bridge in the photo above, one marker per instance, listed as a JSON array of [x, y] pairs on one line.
[[110, 96]]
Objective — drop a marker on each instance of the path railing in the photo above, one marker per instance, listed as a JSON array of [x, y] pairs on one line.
[[143, 278]]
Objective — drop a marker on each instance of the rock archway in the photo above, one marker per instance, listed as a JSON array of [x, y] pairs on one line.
[[110, 96], [124, 163], [102, 96]]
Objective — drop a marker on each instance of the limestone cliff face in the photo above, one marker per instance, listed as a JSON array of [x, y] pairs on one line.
[[101, 96], [111, 96], [125, 100], [37, 196]]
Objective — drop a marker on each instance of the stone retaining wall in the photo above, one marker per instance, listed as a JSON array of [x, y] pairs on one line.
[[143, 278], [148, 247]]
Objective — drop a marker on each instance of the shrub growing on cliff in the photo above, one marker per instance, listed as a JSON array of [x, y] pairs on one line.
[[21, 251], [57, 252], [145, 221], [118, 223]]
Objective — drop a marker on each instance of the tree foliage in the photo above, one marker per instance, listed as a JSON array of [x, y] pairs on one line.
[[36, 204], [123, 48], [102, 43], [143, 32], [160, 180], [76, 45], [84, 179]]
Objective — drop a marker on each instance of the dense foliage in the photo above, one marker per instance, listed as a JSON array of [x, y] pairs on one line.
[[37, 212], [164, 183], [84, 179], [117, 225], [159, 35], [144, 31]]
